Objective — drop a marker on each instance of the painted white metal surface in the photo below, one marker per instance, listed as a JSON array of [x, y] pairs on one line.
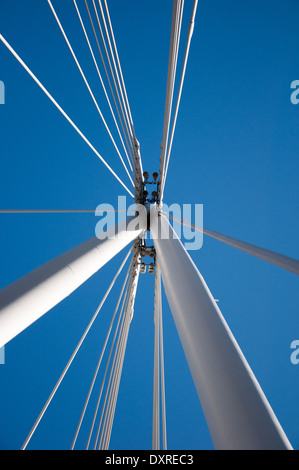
[[30, 297], [236, 410], [284, 262]]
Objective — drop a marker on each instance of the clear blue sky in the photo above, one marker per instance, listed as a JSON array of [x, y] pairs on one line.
[[235, 151]]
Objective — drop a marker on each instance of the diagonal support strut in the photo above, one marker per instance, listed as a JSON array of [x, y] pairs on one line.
[[27, 299], [237, 412]]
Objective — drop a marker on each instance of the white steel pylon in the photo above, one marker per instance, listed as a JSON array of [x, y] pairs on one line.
[[30, 297], [237, 412]]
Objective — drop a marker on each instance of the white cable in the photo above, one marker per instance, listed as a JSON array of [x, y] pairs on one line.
[[170, 74], [190, 33], [156, 375], [285, 262], [158, 378], [129, 147], [103, 416], [119, 66], [172, 63], [111, 379], [115, 387], [62, 111], [108, 360], [116, 391], [156, 388], [116, 335], [88, 86], [115, 69], [101, 80], [100, 360], [73, 355], [110, 409], [163, 405], [57, 211], [112, 74]]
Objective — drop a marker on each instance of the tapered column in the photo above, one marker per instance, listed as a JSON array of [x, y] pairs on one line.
[[30, 297], [236, 410]]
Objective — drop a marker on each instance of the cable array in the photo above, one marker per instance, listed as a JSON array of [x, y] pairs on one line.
[[58, 383], [158, 379], [122, 293], [168, 132], [102, 82], [101, 26], [88, 86], [172, 63], [10, 48]]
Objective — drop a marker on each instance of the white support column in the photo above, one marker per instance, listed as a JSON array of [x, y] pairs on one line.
[[30, 297], [237, 412]]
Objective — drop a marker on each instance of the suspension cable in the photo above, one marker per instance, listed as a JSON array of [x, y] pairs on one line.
[[115, 339], [116, 369], [113, 68], [156, 383], [59, 211], [116, 390], [124, 104], [129, 147], [117, 361], [88, 86], [114, 53], [110, 408], [163, 405], [119, 66], [74, 354], [172, 64], [101, 80], [285, 262], [100, 359], [189, 37], [123, 297], [112, 75], [62, 112]]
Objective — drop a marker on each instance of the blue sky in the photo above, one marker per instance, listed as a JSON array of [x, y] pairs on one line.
[[235, 151]]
